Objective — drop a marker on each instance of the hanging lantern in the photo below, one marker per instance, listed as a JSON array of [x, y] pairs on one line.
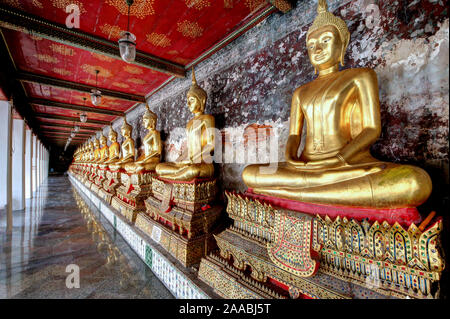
[[127, 42], [72, 135], [76, 128], [96, 95], [83, 117]]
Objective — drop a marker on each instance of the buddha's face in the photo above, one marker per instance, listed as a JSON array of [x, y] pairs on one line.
[[149, 122], [112, 137], [194, 104], [96, 144], [325, 47], [125, 131], [102, 141]]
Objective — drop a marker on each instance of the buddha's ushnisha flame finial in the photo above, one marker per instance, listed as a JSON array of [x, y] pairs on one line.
[[322, 7], [148, 113], [196, 90], [125, 125], [111, 130]]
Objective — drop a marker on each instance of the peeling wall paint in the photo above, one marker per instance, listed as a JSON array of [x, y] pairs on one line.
[[251, 81]]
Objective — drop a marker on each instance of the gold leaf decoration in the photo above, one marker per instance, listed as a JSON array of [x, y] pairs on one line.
[[140, 8], [197, 4], [36, 38], [62, 4], [92, 68], [61, 71], [173, 52], [13, 3], [46, 58], [181, 61], [37, 4], [112, 31], [254, 4], [132, 69], [158, 39], [102, 57], [190, 29], [62, 49], [136, 81], [121, 85]]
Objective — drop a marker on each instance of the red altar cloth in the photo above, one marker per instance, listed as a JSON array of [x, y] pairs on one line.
[[404, 216]]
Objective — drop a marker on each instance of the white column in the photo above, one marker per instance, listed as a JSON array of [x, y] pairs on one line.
[[34, 166], [18, 165], [28, 163], [5, 160]]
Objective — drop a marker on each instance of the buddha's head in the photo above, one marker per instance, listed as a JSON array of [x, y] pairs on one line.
[[91, 146], [149, 118], [327, 39], [112, 135], [96, 143], [126, 128], [196, 97], [102, 140]]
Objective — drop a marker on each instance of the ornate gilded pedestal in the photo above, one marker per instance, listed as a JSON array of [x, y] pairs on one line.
[[181, 217], [130, 196], [99, 179], [309, 255], [110, 185], [94, 176]]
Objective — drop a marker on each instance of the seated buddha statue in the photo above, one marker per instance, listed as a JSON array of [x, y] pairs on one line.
[[152, 146], [200, 140], [91, 156], [128, 151], [341, 110], [114, 148], [96, 151], [103, 150]]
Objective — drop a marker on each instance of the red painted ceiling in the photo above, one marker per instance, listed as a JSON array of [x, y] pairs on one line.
[[176, 30]]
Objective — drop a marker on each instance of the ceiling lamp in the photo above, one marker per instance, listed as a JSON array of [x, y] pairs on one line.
[[96, 95], [127, 42], [72, 135], [76, 128]]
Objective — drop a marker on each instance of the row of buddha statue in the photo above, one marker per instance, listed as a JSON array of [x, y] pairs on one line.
[[123, 157], [339, 111]]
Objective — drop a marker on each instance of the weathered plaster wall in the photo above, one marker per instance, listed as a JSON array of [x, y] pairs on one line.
[[251, 81]]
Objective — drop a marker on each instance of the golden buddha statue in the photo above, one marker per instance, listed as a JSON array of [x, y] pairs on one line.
[[342, 113], [114, 148], [152, 146], [103, 150], [91, 156], [96, 150], [128, 151], [200, 139]]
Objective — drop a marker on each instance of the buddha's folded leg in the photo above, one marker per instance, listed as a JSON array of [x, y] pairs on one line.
[[165, 169], [257, 176], [396, 186], [192, 171]]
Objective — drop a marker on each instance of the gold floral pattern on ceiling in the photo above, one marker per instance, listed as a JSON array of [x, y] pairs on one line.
[[62, 71], [92, 68], [13, 3], [228, 4], [62, 49], [133, 69], [254, 4], [37, 4], [159, 40], [46, 58], [62, 4], [121, 85], [182, 61], [36, 38], [136, 81], [173, 52], [112, 31], [197, 4], [102, 57], [190, 29], [140, 8]]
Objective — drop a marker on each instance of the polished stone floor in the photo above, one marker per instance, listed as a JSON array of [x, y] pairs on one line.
[[58, 232]]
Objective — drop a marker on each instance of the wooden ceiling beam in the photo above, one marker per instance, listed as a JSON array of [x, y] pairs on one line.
[[86, 128], [69, 118], [74, 86], [28, 23], [74, 107]]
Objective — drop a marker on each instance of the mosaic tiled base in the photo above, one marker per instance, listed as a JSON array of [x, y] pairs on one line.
[[188, 252], [187, 195], [179, 284], [385, 259]]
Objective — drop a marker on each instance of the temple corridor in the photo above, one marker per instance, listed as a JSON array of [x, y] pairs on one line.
[[58, 229]]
